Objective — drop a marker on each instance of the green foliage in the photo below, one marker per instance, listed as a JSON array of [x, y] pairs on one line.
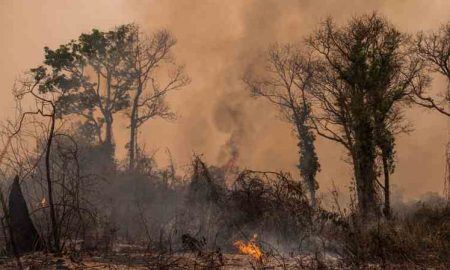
[[90, 76], [309, 162], [366, 73]]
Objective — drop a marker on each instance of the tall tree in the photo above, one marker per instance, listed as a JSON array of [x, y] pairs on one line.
[[149, 56], [286, 84], [93, 75], [365, 73]]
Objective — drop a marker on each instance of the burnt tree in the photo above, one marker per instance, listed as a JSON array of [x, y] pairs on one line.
[[149, 56], [286, 83]]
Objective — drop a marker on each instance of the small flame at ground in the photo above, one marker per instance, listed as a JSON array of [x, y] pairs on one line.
[[250, 248]]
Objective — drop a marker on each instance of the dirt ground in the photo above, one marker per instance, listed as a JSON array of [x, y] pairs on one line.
[[120, 261]]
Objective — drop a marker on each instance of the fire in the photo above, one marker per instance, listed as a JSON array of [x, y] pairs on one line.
[[250, 248]]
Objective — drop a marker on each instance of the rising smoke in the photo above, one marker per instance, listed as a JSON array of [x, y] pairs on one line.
[[218, 41]]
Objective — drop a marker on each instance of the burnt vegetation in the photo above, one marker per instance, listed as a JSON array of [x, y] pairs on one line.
[[79, 206]]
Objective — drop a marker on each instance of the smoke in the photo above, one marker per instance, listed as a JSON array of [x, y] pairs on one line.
[[218, 41], [229, 118]]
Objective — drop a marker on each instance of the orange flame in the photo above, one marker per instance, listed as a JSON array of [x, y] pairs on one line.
[[250, 248]]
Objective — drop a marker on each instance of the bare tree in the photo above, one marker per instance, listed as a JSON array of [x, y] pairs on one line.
[[147, 59], [45, 102], [286, 84], [64, 183], [434, 48], [15, 157]]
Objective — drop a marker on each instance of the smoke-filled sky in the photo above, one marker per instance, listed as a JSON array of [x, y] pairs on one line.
[[217, 41]]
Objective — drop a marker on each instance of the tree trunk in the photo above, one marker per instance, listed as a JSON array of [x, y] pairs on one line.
[[108, 131], [365, 177], [364, 155], [308, 161], [387, 197], [365, 170], [312, 192], [108, 114], [132, 144], [99, 135], [51, 204]]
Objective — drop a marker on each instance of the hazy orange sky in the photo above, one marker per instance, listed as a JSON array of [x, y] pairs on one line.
[[217, 41]]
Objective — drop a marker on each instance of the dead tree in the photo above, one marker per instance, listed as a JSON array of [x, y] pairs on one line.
[[287, 84], [149, 56], [38, 88], [434, 49], [6, 211]]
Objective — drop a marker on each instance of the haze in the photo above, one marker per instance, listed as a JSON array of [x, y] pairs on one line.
[[218, 41]]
